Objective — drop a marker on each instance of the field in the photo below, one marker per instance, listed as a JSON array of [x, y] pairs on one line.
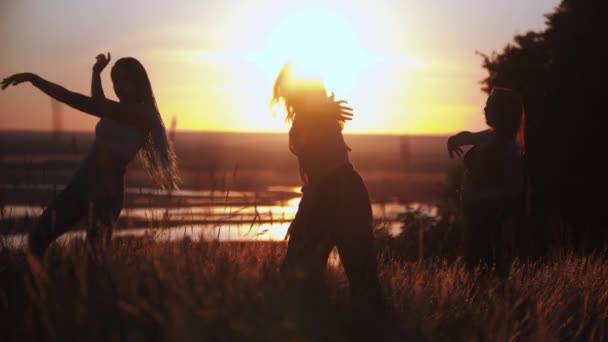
[[185, 266], [230, 291]]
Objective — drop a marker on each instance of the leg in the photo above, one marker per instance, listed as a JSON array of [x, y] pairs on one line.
[[354, 239], [479, 238], [307, 250], [67, 209], [103, 213], [303, 271], [356, 248], [372, 318], [489, 240]]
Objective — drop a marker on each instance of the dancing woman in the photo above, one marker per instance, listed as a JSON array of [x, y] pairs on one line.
[[335, 209], [132, 126], [493, 185]]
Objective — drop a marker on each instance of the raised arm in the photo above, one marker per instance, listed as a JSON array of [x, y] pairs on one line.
[[100, 64], [131, 114], [467, 138]]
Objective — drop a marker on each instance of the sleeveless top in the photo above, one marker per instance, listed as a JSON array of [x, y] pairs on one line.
[[123, 140], [102, 172], [319, 146]]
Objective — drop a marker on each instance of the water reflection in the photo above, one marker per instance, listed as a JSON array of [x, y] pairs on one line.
[[209, 215], [224, 232], [280, 212], [194, 232]]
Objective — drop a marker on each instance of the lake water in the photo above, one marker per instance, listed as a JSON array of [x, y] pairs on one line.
[[203, 214]]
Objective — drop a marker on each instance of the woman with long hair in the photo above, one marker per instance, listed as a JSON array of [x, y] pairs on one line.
[[335, 209], [493, 185], [133, 126]]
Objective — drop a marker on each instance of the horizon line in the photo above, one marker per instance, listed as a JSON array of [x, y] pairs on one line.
[[273, 132]]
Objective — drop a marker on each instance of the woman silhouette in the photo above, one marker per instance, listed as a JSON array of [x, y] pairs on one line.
[[127, 128], [335, 208], [493, 184]]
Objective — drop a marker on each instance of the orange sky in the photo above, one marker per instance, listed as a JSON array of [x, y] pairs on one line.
[[405, 66]]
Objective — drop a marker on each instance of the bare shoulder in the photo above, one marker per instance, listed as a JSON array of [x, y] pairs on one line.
[[484, 136], [136, 115], [481, 139]]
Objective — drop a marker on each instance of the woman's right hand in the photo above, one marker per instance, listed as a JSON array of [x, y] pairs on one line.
[[17, 79], [102, 62], [454, 146], [345, 113]]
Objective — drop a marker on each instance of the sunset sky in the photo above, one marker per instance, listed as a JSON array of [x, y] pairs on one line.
[[405, 66]]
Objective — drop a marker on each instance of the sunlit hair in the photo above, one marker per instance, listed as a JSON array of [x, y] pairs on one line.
[[157, 155], [511, 115], [296, 92], [306, 98], [308, 108]]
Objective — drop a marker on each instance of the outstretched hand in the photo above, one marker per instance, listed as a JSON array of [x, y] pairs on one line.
[[102, 62], [454, 147], [345, 113], [17, 79]]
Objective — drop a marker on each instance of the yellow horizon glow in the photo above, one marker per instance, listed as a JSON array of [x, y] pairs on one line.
[[333, 49], [221, 79]]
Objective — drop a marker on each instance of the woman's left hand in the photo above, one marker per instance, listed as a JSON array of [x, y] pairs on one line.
[[454, 148], [101, 62], [17, 79]]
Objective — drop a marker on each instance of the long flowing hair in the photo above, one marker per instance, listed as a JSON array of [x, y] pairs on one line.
[[307, 99], [157, 155], [311, 112]]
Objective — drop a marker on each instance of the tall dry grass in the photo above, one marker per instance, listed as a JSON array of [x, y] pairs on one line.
[[231, 291]]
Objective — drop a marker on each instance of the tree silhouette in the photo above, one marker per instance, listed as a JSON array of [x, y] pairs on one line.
[[559, 73]]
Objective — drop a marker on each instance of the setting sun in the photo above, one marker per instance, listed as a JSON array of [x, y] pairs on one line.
[[337, 50], [330, 49]]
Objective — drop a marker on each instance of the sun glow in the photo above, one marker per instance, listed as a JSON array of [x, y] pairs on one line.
[[212, 63], [321, 44], [390, 85]]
